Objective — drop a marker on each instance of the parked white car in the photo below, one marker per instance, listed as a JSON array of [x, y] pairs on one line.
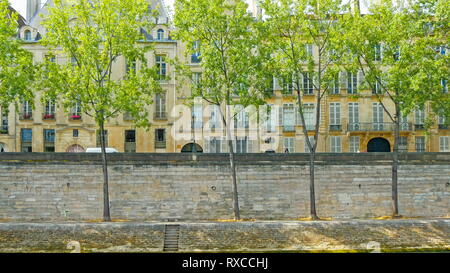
[[99, 150]]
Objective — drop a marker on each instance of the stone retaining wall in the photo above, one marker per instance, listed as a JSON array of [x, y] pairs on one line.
[[177, 187]]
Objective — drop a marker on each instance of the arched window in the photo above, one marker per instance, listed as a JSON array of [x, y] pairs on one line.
[[27, 35], [160, 34]]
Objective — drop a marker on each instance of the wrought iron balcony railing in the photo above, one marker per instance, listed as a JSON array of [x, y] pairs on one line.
[[377, 126]]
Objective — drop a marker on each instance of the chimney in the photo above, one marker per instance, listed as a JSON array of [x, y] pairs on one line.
[[33, 7]]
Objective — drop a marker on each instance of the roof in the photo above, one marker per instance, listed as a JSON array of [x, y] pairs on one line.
[[21, 20]]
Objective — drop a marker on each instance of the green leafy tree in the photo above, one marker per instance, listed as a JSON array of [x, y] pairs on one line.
[[93, 35], [394, 45], [230, 60], [303, 37], [16, 64]]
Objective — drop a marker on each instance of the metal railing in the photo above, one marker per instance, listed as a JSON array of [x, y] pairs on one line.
[[377, 126]]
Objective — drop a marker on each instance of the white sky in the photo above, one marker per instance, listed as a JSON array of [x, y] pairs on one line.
[[21, 5]]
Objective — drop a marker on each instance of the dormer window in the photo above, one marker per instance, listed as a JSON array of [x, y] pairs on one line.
[[160, 34], [27, 35]]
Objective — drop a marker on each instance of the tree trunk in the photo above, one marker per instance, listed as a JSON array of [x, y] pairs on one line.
[[106, 213], [312, 194], [395, 162], [227, 124]]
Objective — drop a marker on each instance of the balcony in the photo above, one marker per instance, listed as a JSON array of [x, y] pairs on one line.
[[75, 117], [4, 129], [335, 127], [127, 117], [26, 116], [160, 116], [419, 127], [377, 127], [49, 116], [288, 128]]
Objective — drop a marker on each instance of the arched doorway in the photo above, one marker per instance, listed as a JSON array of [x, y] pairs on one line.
[[75, 149], [189, 148], [379, 145], [3, 148]]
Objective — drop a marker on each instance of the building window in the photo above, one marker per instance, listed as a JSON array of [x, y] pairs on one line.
[[242, 145], [377, 53], [336, 146], [130, 141], [197, 117], [444, 144], [4, 122], [376, 88], [160, 138], [195, 58], [76, 111], [335, 116], [444, 83], [420, 144], [378, 116], [214, 145], [335, 88], [98, 142], [27, 35], [419, 119], [308, 88], [353, 116], [26, 136], [50, 108], [288, 118], [442, 122], [352, 83], [354, 144], [309, 115], [215, 117], [130, 66], [241, 120], [49, 140], [403, 144], [311, 140], [270, 119], [161, 67], [289, 145], [196, 78], [160, 106], [27, 111], [309, 50], [75, 133], [160, 34], [288, 85], [397, 53]]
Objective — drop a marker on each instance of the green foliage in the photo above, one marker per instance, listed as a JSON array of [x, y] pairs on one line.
[[231, 64], [16, 64], [93, 35], [406, 65]]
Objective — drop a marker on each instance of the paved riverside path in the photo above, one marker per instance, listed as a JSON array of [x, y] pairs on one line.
[[248, 236]]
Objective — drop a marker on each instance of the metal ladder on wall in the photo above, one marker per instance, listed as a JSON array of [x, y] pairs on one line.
[[171, 238]]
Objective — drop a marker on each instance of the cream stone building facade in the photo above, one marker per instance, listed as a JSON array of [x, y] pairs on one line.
[[348, 124]]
